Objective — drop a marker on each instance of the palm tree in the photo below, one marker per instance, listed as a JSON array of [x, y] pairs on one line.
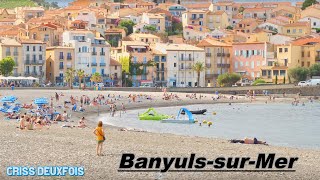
[[198, 67], [69, 76], [80, 74], [96, 77]]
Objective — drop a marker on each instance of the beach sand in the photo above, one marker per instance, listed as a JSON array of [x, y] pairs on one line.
[[59, 146]]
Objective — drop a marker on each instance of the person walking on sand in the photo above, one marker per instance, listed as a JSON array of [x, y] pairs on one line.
[[100, 137]]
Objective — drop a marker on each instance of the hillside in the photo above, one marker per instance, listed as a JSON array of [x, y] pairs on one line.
[[10, 4]]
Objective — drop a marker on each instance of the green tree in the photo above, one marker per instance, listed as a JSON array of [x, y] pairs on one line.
[[314, 70], [228, 79], [69, 76], [299, 73], [127, 25], [150, 28], [198, 67], [230, 28], [81, 75], [258, 81], [241, 9], [284, 80], [276, 79], [308, 3], [6, 66], [96, 77]]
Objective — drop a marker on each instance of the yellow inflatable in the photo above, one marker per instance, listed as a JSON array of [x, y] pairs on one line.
[[210, 123], [204, 122], [214, 113]]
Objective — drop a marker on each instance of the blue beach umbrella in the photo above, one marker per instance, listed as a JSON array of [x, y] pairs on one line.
[[9, 99]]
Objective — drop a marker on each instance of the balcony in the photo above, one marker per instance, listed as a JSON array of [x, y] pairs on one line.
[[61, 67], [61, 58], [187, 59], [8, 53], [94, 53], [208, 54], [27, 62], [318, 59], [185, 68], [15, 53], [103, 64], [223, 54], [161, 69], [69, 66], [208, 65], [223, 65], [69, 57], [102, 53], [210, 76], [94, 64]]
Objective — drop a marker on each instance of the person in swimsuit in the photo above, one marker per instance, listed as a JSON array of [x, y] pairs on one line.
[[100, 137]]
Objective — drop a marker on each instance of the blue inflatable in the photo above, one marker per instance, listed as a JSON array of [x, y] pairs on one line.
[[177, 120]]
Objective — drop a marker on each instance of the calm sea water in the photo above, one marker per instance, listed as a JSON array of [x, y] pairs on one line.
[[278, 124]]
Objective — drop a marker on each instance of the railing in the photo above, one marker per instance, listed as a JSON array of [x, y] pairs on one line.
[[69, 57], [223, 54], [94, 64], [223, 65], [61, 67], [102, 53], [208, 65], [94, 53], [27, 62], [208, 54], [103, 64], [15, 53], [317, 58], [186, 59], [69, 66], [161, 69], [211, 75], [61, 57], [185, 68]]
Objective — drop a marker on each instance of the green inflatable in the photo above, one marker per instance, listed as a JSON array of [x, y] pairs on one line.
[[151, 114]]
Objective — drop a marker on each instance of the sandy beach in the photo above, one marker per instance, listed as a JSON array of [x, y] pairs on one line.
[[59, 146]]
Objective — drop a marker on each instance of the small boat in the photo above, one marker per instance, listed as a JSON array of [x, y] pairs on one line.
[[151, 114], [202, 111]]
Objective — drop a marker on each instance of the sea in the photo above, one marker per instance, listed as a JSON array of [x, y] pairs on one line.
[[278, 124]]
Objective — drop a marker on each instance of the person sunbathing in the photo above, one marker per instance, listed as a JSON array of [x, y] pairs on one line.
[[12, 116], [22, 125], [59, 118], [81, 123], [248, 141], [26, 106]]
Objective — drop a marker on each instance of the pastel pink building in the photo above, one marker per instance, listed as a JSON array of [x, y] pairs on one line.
[[248, 58]]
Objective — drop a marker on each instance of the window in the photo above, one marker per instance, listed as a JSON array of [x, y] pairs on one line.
[[302, 54], [294, 31], [241, 63], [258, 63], [300, 30], [252, 64], [314, 24], [302, 64], [34, 48], [115, 67], [28, 48], [40, 57], [218, 8], [236, 65], [308, 53], [40, 48], [280, 50], [288, 30], [174, 64], [200, 15], [252, 74], [285, 49], [247, 63]]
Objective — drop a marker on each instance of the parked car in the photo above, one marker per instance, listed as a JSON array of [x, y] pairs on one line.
[[302, 83], [313, 82]]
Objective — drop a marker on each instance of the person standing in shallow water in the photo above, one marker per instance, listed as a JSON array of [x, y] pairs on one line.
[[100, 137]]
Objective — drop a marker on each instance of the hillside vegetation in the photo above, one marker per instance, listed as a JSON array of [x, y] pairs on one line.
[[10, 4]]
